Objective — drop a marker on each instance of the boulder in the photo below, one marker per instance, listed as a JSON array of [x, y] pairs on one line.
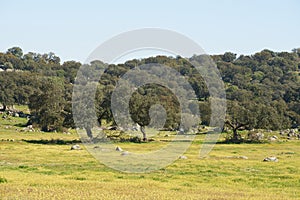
[[30, 127], [256, 136], [75, 147], [273, 138], [183, 157], [292, 133], [270, 159], [243, 157], [119, 149], [281, 133]]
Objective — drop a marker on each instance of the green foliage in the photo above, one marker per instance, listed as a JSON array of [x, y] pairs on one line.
[[47, 104], [3, 180], [16, 51], [149, 95], [229, 57], [262, 89]]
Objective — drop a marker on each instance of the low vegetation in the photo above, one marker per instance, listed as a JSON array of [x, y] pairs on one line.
[[40, 165]]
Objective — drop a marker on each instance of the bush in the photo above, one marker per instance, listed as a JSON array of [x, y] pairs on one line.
[[135, 139], [3, 180]]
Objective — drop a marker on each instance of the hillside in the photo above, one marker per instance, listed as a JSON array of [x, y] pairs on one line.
[[262, 90]]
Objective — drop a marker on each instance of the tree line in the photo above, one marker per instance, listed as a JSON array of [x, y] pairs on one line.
[[262, 90]]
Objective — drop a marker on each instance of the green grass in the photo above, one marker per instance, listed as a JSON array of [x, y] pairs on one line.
[[47, 170]]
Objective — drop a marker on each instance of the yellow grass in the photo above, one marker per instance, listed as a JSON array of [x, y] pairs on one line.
[[50, 171]]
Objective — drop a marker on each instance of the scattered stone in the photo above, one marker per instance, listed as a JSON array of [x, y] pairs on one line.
[[243, 157], [273, 138], [281, 133], [167, 135], [29, 128], [270, 159], [183, 157], [292, 133], [256, 136], [119, 149], [75, 147]]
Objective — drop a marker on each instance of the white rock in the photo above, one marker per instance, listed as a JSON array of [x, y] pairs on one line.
[[273, 138], [182, 157], [243, 157], [270, 159], [119, 149], [75, 147]]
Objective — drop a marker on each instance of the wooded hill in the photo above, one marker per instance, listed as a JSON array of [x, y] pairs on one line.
[[262, 90]]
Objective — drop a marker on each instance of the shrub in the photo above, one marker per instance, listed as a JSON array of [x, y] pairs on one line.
[[3, 180]]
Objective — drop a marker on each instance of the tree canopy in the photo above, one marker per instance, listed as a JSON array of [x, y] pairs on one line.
[[262, 90]]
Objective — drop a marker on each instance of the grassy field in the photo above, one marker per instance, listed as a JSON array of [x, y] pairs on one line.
[[33, 167]]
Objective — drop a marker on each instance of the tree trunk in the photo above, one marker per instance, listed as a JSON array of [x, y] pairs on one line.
[[89, 132], [236, 136], [144, 133]]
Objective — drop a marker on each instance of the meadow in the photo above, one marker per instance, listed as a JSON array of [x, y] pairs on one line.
[[40, 165]]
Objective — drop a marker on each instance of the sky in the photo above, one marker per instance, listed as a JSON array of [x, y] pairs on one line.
[[73, 29]]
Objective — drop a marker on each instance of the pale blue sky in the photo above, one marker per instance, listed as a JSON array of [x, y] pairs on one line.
[[73, 29]]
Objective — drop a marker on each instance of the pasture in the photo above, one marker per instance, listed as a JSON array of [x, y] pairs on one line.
[[39, 165]]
